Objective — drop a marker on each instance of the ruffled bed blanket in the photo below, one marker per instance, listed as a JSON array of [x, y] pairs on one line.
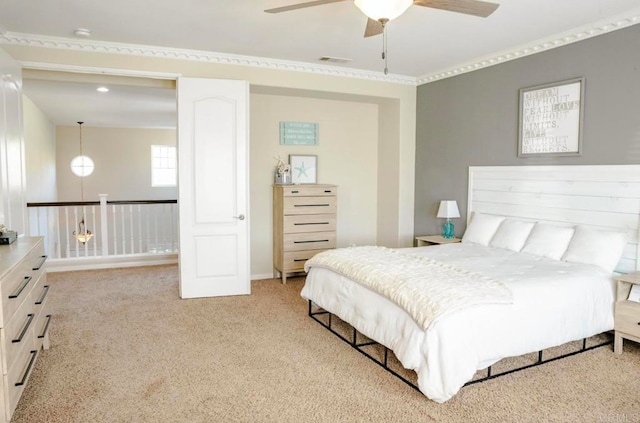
[[425, 288]]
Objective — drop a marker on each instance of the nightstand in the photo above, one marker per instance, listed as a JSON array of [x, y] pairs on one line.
[[425, 240], [627, 313]]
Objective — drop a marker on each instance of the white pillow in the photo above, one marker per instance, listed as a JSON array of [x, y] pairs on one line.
[[600, 248], [482, 228], [548, 240], [512, 234]]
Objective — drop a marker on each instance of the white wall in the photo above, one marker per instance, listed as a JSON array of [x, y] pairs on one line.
[[40, 154], [347, 156], [122, 158]]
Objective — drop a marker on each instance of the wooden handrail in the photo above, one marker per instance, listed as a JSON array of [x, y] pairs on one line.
[[97, 203]]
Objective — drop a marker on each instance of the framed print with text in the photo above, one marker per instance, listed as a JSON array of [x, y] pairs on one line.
[[550, 120]]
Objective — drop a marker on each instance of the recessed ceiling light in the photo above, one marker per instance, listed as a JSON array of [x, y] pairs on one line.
[[102, 89], [82, 32]]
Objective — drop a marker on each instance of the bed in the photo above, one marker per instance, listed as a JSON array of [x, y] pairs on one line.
[[552, 236]]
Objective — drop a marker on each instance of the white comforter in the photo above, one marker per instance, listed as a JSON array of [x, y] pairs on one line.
[[554, 302]]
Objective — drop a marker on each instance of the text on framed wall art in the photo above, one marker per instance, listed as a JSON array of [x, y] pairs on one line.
[[299, 133], [550, 121]]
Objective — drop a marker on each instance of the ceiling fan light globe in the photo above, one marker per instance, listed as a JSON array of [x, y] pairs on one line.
[[383, 9]]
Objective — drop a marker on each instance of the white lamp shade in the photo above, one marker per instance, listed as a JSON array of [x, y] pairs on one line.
[[448, 209], [383, 9]]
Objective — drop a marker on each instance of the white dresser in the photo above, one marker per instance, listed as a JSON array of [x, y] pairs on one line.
[[24, 321], [304, 224]]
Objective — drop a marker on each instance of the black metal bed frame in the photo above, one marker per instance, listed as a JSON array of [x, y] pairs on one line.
[[384, 363]]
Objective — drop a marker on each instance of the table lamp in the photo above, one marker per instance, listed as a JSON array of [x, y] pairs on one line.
[[448, 209]]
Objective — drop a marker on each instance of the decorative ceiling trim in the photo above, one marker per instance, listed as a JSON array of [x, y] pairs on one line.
[[43, 41], [539, 46]]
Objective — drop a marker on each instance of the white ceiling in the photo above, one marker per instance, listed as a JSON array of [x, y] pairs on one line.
[[422, 42]]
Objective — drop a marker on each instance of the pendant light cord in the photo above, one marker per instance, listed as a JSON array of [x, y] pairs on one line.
[[385, 55]]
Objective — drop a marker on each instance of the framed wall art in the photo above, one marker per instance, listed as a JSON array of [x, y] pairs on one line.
[[550, 120], [303, 169]]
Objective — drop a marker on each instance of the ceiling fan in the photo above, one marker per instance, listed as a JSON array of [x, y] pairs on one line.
[[380, 12]]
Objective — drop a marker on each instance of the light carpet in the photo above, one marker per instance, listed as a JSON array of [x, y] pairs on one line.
[[125, 348]]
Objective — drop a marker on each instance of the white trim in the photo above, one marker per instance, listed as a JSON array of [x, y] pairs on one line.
[[262, 276], [44, 41], [101, 71], [34, 40], [558, 40], [89, 263]]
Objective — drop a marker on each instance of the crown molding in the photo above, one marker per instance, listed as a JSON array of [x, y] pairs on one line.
[[538, 46], [43, 41]]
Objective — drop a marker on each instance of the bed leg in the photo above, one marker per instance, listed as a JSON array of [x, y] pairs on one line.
[[386, 356], [355, 337], [584, 344], [539, 356], [488, 372]]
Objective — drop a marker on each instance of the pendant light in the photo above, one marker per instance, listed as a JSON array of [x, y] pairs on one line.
[[82, 166]]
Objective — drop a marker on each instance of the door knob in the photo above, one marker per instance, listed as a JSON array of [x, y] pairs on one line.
[[241, 217]]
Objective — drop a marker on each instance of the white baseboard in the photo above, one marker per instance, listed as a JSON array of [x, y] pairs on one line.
[[88, 263], [262, 276]]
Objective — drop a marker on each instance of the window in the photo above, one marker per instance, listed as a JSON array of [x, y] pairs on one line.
[[163, 166]]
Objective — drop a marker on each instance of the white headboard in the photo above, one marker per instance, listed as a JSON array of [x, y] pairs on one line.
[[602, 197]]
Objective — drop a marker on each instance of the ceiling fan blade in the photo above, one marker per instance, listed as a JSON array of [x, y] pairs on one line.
[[302, 5], [469, 7], [373, 28]]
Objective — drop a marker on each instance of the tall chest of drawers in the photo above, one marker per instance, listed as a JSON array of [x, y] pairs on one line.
[[24, 321], [304, 224]]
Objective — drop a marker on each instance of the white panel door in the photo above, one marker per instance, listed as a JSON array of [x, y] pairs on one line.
[[12, 162], [213, 179]]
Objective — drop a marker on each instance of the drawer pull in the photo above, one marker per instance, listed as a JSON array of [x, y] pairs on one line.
[[45, 291], [46, 327], [26, 372], [311, 205], [311, 223], [24, 284], [39, 265], [295, 192], [328, 191], [24, 329], [308, 259], [307, 242]]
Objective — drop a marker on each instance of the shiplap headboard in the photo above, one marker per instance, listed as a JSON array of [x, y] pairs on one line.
[[602, 197]]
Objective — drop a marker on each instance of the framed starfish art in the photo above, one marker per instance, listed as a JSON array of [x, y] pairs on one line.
[[303, 168]]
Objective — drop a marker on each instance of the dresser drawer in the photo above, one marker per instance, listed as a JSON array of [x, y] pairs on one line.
[[18, 374], [14, 335], [628, 318], [295, 261], [309, 205], [309, 241], [311, 190], [309, 223], [17, 284]]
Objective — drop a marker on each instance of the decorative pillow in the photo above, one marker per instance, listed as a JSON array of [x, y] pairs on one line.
[[548, 240], [482, 228], [512, 234], [600, 248]]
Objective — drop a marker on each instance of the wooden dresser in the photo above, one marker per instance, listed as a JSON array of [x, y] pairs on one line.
[[23, 317], [304, 224]]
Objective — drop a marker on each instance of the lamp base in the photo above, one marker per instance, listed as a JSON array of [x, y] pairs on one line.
[[447, 230]]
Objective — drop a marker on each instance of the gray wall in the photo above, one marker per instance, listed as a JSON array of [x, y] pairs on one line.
[[472, 119]]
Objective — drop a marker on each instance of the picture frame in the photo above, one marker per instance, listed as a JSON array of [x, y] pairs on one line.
[[304, 168], [550, 119]]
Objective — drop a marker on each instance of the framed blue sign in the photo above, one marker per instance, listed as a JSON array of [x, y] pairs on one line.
[[299, 133]]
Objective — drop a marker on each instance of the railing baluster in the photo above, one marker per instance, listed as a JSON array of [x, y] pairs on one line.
[[115, 232], [104, 224], [139, 229], [131, 227], [95, 232], [155, 228], [124, 239], [173, 232], [86, 225], [75, 219], [58, 242]]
